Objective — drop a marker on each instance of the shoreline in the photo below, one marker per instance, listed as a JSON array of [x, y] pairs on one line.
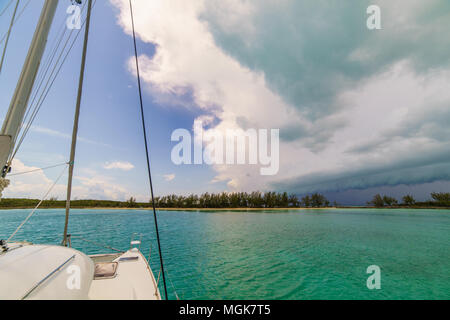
[[226, 209], [172, 209]]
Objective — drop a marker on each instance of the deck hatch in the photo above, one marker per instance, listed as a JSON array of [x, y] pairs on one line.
[[105, 270]]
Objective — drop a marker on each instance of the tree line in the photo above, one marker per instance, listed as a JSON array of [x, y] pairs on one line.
[[230, 200], [437, 200], [205, 201], [60, 204], [243, 200]]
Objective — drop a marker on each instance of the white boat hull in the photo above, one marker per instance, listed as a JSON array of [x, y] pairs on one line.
[[35, 272]]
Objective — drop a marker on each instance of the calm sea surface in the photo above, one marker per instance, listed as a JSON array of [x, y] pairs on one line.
[[322, 254]]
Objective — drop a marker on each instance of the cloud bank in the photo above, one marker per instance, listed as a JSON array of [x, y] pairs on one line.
[[355, 108]]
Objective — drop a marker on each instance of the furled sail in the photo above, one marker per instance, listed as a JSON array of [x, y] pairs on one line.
[[14, 118]]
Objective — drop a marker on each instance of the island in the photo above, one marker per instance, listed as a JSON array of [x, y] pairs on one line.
[[253, 201]]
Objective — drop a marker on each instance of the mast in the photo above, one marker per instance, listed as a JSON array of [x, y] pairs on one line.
[[14, 118], [76, 121]]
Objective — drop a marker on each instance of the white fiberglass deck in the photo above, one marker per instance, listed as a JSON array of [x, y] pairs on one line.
[[133, 281]]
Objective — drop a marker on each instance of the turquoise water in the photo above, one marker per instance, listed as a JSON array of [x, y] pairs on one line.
[[310, 254]]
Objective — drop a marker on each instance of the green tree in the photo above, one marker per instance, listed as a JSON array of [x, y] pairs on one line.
[[306, 201], [441, 198], [377, 201], [131, 203], [408, 200], [318, 200], [269, 199], [284, 200], [389, 201], [293, 201]]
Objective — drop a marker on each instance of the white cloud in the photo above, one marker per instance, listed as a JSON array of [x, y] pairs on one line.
[[118, 165], [188, 59], [87, 185], [33, 185], [100, 187], [169, 177]]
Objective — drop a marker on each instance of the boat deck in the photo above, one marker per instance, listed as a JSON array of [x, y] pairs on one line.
[[133, 279]]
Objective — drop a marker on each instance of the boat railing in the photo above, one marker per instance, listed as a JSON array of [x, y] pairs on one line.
[[134, 242], [157, 283], [159, 276]]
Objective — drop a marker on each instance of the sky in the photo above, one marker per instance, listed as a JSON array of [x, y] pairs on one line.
[[359, 111]]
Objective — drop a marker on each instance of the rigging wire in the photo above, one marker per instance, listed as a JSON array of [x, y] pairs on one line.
[[45, 93], [42, 76], [56, 44], [147, 151], [37, 207], [8, 34], [6, 8], [17, 19], [36, 170], [173, 287], [96, 243]]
